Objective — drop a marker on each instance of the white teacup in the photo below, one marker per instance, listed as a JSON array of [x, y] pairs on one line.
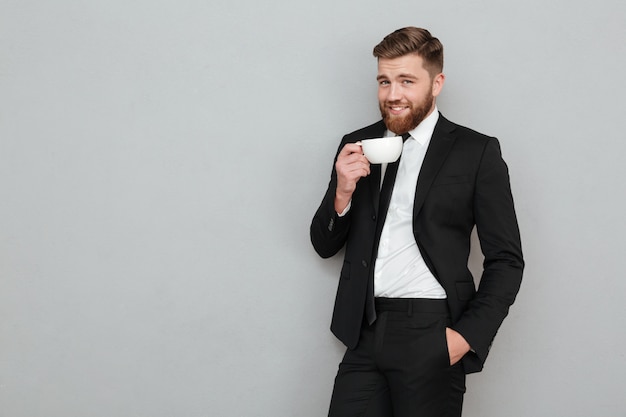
[[382, 150]]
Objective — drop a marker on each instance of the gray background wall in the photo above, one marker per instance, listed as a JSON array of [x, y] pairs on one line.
[[160, 162]]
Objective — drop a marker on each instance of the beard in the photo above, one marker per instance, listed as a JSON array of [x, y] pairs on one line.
[[402, 124]]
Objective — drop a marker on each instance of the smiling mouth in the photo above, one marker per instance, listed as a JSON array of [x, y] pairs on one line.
[[397, 109]]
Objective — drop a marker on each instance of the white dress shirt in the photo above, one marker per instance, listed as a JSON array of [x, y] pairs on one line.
[[400, 270]]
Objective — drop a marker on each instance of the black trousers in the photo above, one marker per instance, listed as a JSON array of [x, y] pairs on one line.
[[401, 366]]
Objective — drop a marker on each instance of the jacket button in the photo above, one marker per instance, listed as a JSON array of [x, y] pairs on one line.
[[364, 263], [374, 217]]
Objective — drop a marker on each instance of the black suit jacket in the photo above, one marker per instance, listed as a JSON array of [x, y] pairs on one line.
[[463, 182]]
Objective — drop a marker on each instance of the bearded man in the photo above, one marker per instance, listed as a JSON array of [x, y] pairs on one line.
[[407, 308]]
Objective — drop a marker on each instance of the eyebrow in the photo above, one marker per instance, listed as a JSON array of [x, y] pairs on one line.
[[383, 77]]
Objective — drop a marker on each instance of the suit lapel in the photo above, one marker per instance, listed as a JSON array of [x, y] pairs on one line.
[[440, 145]]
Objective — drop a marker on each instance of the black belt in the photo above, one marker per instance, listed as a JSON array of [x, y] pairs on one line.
[[411, 305]]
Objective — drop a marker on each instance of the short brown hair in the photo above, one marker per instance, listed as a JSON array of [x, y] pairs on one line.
[[412, 40]]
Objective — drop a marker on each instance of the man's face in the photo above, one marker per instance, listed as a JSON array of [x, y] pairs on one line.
[[406, 92]]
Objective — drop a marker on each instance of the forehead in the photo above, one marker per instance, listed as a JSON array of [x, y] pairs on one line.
[[406, 64]]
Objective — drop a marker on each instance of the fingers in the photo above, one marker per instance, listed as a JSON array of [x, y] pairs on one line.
[[352, 162], [350, 148], [352, 159], [351, 166]]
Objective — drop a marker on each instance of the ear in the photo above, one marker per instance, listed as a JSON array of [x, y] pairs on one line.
[[438, 81]]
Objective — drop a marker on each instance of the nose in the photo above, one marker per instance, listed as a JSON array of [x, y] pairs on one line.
[[394, 92]]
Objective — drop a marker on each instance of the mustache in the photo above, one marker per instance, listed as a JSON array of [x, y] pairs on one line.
[[397, 103]]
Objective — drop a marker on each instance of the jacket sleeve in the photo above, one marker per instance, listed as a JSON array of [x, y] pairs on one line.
[[498, 232], [329, 231]]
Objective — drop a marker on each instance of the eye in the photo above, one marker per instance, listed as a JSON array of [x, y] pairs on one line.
[[383, 82], [407, 82]]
